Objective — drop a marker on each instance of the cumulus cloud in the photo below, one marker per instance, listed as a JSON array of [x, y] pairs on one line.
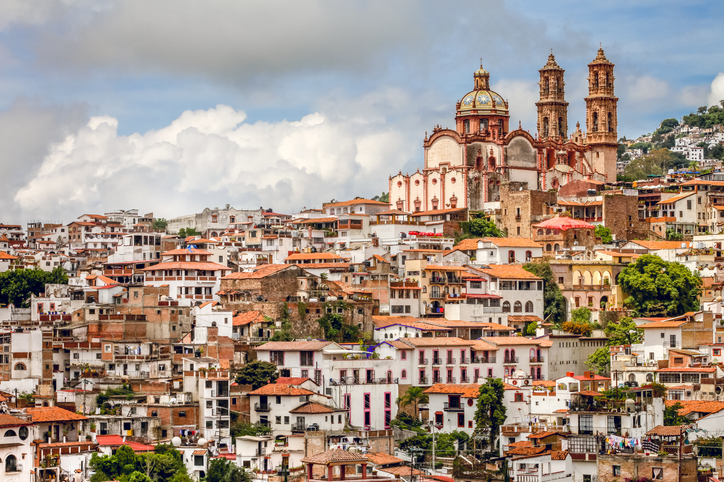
[[215, 156], [717, 90]]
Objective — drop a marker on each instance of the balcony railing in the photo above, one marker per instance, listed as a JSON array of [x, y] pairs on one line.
[[424, 380], [452, 408], [537, 359], [262, 407], [450, 361], [358, 381], [510, 359], [423, 361], [437, 361], [481, 359], [464, 379], [450, 379], [464, 360]]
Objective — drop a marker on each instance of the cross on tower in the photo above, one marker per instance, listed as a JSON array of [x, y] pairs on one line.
[[481, 62]]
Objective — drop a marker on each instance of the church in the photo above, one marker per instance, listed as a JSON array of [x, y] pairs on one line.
[[464, 167]]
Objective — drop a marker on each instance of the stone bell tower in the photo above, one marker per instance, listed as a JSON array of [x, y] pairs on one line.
[[601, 116], [552, 107]]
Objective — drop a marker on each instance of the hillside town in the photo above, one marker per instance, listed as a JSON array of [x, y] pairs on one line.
[[514, 310]]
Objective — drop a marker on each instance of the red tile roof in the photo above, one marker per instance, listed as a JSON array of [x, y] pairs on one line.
[[282, 390], [10, 421], [666, 431], [380, 458], [332, 456], [355, 201], [294, 380], [293, 345], [198, 265], [313, 407], [261, 272], [507, 271], [243, 319], [53, 414]]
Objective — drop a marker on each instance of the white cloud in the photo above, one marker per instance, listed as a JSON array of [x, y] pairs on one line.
[[213, 157], [521, 96], [717, 90], [644, 89]]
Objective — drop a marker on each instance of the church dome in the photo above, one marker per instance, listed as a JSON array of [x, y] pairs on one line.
[[482, 99]]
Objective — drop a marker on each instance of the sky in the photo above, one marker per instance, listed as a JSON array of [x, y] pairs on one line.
[[172, 106]]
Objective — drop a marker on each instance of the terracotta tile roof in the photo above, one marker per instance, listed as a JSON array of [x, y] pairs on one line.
[[380, 458], [507, 271], [282, 390], [676, 198], [4, 255], [293, 345], [434, 267], [538, 435], [470, 244], [437, 212], [316, 220], [559, 454], [544, 383], [117, 441], [482, 345], [511, 340], [521, 318], [332, 456], [467, 390], [314, 407], [665, 431], [10, 421], [261, 272], [526, 451], [294, 380], [664, 324], [400, 345], [393, 211], [243, 319], [53, 414], [657, 245], [199, 452], [380, 259], [400, 470], [440, 341], [696, 406], [522, 443]]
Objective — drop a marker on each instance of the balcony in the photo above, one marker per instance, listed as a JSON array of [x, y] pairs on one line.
[[484, 360], [452, 408], [436, 361], [450, 380], [464, 379], [423, 361], [464, 360], [262, 407], [450, 361], [537, 359], [424, 381], [510, 360]]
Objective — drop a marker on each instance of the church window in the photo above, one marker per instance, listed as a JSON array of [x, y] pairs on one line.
[[561, 133], [399, 183], [417, 182], [453, 180], [610, 122], [466, 125], [483, 125], [545, 127], [595, 122]]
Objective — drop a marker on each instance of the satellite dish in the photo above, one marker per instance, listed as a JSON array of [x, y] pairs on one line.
[[202, 441], [176, 441]]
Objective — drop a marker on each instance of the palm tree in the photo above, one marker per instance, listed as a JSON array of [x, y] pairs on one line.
[[415, 396]]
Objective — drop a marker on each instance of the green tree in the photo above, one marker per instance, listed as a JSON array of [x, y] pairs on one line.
[[286, 331], [160, 224], [186, 232], [223, 470], [623, 332], [16, 286], [600, 361], [672, 235], [257, 373], [672, 417], [530, 328], [336, 329], [659, 288], [604, 233], [490, 413], [413, 396], [478, 228], [241, 428], [553, 301], [655, 163], [581, 315], [384, 197]]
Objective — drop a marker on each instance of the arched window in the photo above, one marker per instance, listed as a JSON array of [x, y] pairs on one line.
[[10, 433], [557, 247], [11, 464], [649, 377], [632, 377], [518, 307], [528, 256], [541, 232], [506, 307], [595, 122], [548, 247], [404, 374], [529, 307], [545, 127], [538, 372], [511, 256], [548, 232], [20, 366], [610, 122]]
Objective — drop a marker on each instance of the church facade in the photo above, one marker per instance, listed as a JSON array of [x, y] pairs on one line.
[[464, 167]]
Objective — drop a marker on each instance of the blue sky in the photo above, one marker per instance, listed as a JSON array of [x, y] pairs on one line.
[[175, 105]]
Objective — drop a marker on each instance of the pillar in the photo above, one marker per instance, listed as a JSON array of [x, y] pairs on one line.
[[330, 472], [364, 471], [310, 472], [342, 470]]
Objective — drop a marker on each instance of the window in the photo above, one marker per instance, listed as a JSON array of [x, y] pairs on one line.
[[672, 341], [182, 414], [20, 366], [10, 433], [616, 471], [198, 460], [11, 464], [657, 473], [461, 420], [585, 424], [518, 397]]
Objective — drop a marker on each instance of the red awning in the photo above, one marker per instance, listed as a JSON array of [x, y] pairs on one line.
[[564, 223]]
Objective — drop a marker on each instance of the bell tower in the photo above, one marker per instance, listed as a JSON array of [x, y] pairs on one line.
[[552, 107], [601, 116]]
